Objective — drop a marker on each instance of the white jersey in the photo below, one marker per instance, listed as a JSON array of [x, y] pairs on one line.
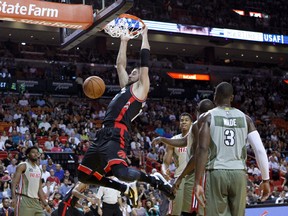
[[181, 155], [29, 181]]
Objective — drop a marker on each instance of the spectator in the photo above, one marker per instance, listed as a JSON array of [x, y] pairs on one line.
[[94, 207], [159, 130], [44, 124], [102, 113], [45, 173], [23, 128], [51, 164], [9, 145], [252, 170], [6, 177], [40, 102], [43, 160], [56, 147], [49, 144], [151, 209], [72, 136], [152, 154], [125, 208], [110, 204], [67, 148], [65, 187], [23, 102], [8, 160], [139, 210], [14, 127], [6, 209], [11, 168], [52, 178], [59, 172], [70, 131], [3, 137]]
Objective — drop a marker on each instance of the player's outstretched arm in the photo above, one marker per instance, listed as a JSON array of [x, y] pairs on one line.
[[255, 141], [144, 82], [181, 142], [121, 62]]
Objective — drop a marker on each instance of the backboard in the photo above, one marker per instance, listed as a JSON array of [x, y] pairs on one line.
[[71, 38]]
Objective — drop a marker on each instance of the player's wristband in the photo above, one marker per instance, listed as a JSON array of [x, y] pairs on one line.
[[144, 57]]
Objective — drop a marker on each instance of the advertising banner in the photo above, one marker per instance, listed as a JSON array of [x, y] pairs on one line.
[[111, 90], [33, 86], [61, 87], [74, 16]]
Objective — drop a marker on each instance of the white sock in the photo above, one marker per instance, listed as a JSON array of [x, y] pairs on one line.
[[127, 190]]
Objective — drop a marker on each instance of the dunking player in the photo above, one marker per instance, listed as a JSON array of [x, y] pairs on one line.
[[67, 206], [188, 201], [106, 156], [27, 187], [223, 132]]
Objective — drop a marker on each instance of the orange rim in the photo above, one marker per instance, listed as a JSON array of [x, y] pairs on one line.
[[129, 16]]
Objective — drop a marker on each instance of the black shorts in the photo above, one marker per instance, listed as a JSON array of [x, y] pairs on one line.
[[109, 148]]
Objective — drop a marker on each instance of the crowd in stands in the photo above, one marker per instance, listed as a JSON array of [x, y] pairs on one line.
[[217, 13]]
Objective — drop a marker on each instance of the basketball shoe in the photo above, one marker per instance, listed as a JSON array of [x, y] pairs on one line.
[[163, 185], [132, 193]]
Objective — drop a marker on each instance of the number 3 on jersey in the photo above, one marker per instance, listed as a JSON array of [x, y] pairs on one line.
[[229, 137]]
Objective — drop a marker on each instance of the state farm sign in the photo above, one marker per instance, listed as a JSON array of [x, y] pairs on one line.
[[47, 13]]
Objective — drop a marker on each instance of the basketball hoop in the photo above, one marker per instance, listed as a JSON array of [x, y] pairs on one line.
[[125, 24]]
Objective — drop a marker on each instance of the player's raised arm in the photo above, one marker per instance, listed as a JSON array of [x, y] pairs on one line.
[[144, 82], [122, 62]]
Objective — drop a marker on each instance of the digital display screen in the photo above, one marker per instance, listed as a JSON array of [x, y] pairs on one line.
[[217, 32]]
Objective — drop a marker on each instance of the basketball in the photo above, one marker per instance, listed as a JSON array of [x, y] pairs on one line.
[[94, 87]]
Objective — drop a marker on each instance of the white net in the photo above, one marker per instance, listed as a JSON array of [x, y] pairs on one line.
[[129, 25]]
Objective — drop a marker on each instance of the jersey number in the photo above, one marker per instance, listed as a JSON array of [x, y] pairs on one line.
[[229, 137]]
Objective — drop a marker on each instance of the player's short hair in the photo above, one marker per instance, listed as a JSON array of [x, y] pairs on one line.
[[28, 150], [186, 114]]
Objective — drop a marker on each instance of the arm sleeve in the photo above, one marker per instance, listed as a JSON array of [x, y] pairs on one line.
[[261, 157]]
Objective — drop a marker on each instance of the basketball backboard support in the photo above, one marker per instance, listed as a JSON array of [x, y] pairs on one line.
[[100, 20]]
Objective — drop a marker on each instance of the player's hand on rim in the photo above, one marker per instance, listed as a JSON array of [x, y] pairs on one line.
[[145, 30], [125, 37], [200, 195]]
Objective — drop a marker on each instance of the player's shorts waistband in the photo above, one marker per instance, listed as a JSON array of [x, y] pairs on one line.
[[18, 194]]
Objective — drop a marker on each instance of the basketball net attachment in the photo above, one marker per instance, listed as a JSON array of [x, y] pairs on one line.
[[125, 24]]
